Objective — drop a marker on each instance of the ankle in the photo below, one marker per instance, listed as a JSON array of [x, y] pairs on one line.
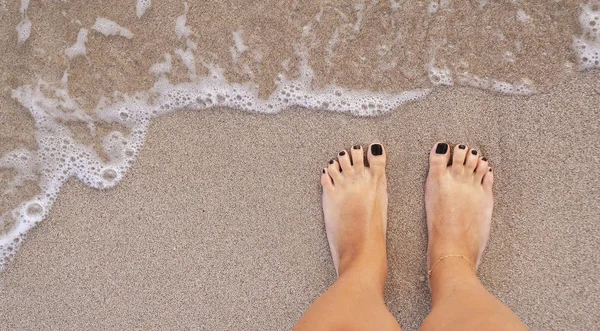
[[365, 267], [450, 274]]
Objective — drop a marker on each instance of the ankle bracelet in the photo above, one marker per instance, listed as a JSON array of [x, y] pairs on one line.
[[443, 257]]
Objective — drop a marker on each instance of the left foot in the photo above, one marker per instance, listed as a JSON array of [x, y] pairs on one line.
[[355, 201]]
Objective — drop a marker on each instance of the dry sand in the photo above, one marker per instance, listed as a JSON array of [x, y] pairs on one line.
[[218, 225], [223, 230]]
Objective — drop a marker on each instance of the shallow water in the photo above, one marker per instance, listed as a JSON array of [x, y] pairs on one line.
[[81, 81]]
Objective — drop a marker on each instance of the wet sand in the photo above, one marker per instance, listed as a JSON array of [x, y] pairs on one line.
[[224, 230]]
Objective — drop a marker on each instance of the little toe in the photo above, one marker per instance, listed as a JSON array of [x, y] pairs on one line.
[[488, 179], [438, 158], [358, 156], [345, 163], [377, 158], [471, 160], [481, 169], [333, 169], [326, 180]]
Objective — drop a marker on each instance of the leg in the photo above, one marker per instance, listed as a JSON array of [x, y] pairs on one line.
[[459, 205], [355, 210]]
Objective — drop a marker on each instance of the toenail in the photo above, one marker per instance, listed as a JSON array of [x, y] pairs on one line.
[[323, 170], [474, 152], [357, 147], [483, 159], [441, 148], [376, 149], [342, 153], [490, 169], [330, 161], [462, 146]]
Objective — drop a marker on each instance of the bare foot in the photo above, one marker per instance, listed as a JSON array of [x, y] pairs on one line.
[[355, 202], [459, 203]]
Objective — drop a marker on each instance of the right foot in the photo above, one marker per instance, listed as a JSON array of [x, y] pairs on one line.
[[459, 203]]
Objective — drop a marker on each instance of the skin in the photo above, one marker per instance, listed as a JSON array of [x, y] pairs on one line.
[[459, 206]]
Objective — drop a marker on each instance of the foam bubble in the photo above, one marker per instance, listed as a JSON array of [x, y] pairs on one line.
[[35, 209], [23, 30], [141, 6], [587, 46], [78, 47], [522, 16], [110, 28], [182, 30]]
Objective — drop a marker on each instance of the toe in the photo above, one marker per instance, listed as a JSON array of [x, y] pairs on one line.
[[333, 169], [376, 157], [471, 160], [488, 179], [326, 181], [481, 169], [458, 157], [358, 158], [438, 158], [344, 160]]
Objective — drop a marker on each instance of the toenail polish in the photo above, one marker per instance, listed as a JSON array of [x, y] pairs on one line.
[[462, 146], [376, 149], [474, 152], [357, 147], [330, 161], [323, 170], [342, 153], [441, 148], [483, 159], [490, 169]]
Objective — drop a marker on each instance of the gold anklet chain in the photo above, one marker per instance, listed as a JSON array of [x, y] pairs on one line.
[[443, 257]]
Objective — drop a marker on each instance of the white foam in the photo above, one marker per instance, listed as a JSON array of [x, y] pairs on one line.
[[587, 46], [238, 45], [23, 30], [522, 16], [110, 28], [162, 68], [141, 6], [78, 47], [182, 30], [335, 36], [24, 26], [524, 87]]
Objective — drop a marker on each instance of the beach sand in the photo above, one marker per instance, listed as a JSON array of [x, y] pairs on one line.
[[218, 225], [224, 230]]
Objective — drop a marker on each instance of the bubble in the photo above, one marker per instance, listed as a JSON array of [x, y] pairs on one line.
[[34, 210], [109, 174], [124, 115]]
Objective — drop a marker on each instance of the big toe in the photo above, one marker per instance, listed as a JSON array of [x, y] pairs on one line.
[[377, 158], [439, 158]]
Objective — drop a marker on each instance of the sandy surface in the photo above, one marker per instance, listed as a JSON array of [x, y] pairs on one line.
[[218, 225], [223, 230]]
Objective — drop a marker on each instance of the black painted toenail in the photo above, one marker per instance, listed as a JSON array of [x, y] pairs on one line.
[[474, 152], [490, 169], [376, 149], [342, 153], [323, 170], [357, 147], [441, 148], [330, 161], [483, 159], [462, 146]]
